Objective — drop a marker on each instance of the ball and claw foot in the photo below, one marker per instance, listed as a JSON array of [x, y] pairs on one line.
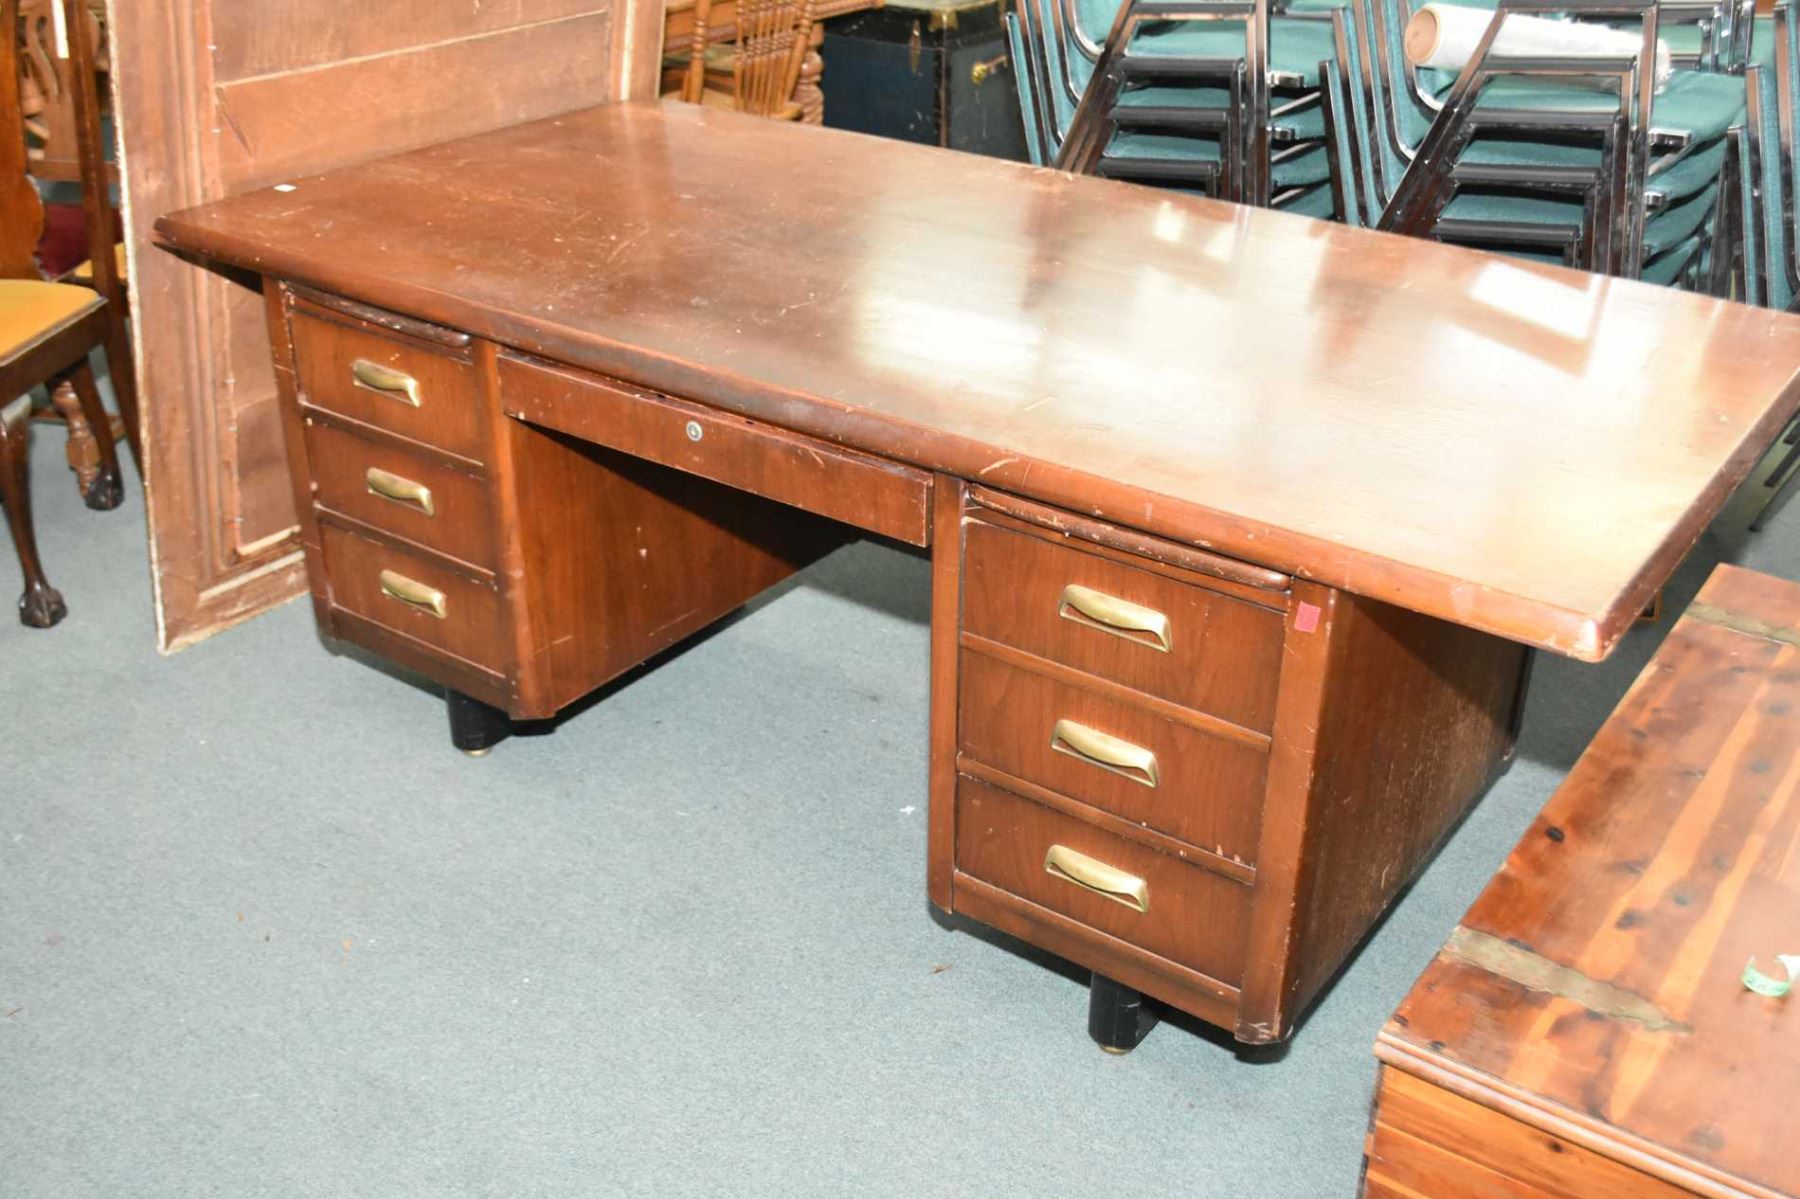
[[1119, 1018], [475, 727], [41, 606], [106, 492]]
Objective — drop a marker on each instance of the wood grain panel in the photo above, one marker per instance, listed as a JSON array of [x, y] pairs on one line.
[[1592, 990], [283, 126], [1208, 792], [1195, 917], [1224, 654], [265, 37], [1429, 1142]]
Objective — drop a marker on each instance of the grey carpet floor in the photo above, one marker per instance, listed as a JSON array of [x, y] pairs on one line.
[[262, 932]]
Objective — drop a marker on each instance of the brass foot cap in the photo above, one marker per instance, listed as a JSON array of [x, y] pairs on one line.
[[478, 753]]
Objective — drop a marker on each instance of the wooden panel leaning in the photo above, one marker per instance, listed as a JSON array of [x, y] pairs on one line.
[[1585, 1031]]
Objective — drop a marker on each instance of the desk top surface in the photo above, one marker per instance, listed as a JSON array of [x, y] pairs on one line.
[[1594, 985], [1521, 449]]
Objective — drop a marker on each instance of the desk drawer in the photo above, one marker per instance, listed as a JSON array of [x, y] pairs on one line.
[[1189, 915], [790, 468], [1180, 641], [411, 495], [1172, 777], [446, 609], [401, 385]]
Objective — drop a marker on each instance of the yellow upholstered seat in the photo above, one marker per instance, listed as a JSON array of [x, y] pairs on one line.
[[31, 311], [85, 272]]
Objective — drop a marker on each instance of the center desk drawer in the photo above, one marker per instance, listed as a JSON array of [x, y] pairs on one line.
[[779, 464], [1119, 887], [409, 594], [408, 494], [1179, 641], [1151, 770], [427, 394]]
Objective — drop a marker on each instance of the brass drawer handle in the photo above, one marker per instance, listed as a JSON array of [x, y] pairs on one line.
[[385, 379], [390, 486], [412, 593], [1090, 874], [1105, 751], [1110, 614]]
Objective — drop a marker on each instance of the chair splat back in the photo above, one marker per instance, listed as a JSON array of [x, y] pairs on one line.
[[21, 209]]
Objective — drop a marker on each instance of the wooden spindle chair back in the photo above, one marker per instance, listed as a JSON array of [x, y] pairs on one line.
[[772, 40], [768, 48]]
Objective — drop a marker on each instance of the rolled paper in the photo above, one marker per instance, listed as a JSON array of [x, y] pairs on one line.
[[1444, 36]]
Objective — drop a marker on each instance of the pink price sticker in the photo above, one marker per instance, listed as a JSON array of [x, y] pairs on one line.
[[1306, 618]]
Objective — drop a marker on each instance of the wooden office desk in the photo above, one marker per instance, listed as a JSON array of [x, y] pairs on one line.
[[1241, 523], [1585, 1031]]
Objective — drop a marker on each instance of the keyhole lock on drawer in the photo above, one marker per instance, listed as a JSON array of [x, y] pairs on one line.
[[694, 431]]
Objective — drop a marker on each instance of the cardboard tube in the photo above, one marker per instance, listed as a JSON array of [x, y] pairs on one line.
[[1444, 36]]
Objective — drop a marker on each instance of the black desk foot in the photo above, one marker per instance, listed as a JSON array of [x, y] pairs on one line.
[[1118, 1017], [475, 727]]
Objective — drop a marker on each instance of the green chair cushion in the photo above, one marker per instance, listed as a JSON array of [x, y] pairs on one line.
[[1696, 168], [1665, 229], [1308, 124], [1698, 104], [1295, 47], [1128, 146]]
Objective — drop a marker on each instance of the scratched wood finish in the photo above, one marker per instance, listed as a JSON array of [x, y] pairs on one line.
[[1592, 990], [1517, 448]]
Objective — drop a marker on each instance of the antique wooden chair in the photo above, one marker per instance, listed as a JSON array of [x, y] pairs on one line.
[[757, 71], [47, 331], [62, 94]]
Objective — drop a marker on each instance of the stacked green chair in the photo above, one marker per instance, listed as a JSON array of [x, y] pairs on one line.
[[1169, 92], [1575, 160]]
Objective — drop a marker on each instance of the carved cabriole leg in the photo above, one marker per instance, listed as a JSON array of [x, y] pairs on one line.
[[82, 449], [105, 490], [807, 92], [40, 606], [1119, 1018], [476, 727]]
